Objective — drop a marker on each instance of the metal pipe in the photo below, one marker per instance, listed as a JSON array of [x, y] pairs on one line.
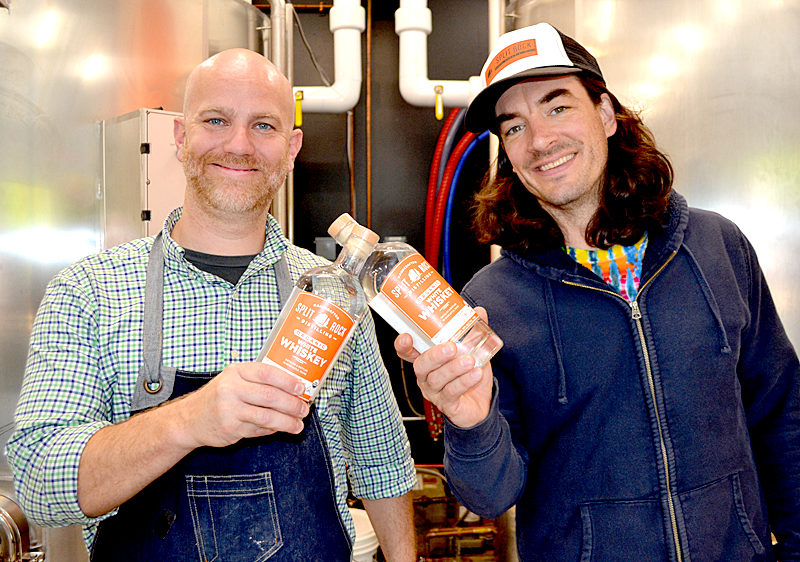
[[351, 162], [369, 114], [282, 207], [13, 530], [278, 45], [288, 41], [320, 6]]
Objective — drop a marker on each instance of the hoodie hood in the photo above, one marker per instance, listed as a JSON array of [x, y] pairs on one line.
[[557, 265]]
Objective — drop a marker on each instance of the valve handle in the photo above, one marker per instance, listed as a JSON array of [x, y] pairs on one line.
[[298, 111], [439, 107]]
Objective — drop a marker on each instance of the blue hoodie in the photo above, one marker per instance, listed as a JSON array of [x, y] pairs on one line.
[[663, 429]]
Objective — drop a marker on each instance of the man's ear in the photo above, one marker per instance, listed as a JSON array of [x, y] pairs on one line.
[[295, 142], [607, 115], [179, 132]]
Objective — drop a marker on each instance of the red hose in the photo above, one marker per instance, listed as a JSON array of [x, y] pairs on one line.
[[432, 252], [430, 200], [434, 418]]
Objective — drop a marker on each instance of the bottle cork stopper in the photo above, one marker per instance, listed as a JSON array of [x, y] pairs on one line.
[[346, 226], [340, 228], [364, 234]]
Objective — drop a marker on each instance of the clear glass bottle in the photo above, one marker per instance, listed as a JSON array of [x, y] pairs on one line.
[[320, 315], [408, 292]]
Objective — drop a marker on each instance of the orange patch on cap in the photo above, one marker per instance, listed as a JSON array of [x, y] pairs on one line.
[[509, 55]]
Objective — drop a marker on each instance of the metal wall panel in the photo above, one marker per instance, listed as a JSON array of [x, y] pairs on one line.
[[67, 66], [716, 81]]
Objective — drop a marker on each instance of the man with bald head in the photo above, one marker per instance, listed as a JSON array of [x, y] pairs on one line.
[[144, 416]]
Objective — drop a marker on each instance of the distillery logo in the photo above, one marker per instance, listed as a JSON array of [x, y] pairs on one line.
[[509, 55]]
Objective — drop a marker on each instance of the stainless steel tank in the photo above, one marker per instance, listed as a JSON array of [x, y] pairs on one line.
[[716, 81], [15, 538], [66, 67]]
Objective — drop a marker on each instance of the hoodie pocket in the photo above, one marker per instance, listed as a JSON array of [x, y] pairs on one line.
[[718, 524], [622, 530]]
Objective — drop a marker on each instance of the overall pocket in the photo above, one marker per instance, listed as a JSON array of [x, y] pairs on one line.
[[234, 516]]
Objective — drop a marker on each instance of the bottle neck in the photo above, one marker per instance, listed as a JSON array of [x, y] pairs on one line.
[[353, 255]]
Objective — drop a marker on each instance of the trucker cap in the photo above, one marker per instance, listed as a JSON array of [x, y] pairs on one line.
[[536, 50]]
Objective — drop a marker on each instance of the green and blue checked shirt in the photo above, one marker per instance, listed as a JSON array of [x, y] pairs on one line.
[[86, 349]]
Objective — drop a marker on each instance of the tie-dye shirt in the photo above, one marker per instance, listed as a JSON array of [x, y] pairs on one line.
[[619, 266]]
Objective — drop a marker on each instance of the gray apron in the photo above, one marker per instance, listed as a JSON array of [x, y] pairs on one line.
[[267, 498]]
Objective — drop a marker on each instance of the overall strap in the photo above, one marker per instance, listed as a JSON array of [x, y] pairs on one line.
[[154, 384], [155, 381], [285, 284]]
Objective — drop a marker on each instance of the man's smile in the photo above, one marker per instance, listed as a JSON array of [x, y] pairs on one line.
[[556, 163]]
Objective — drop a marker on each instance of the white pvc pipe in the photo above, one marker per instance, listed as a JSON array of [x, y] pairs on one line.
[[413, 24], [497, 19], [347, 22]]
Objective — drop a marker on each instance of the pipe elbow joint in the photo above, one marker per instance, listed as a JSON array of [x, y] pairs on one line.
[[421, 91], [417, 91], [474, 88], [349, 15], [413, 19], [340, 97]]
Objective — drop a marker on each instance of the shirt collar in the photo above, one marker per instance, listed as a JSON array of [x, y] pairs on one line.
[[275, 244]]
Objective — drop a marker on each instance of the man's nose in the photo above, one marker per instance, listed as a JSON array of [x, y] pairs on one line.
[[542, 135], [239, 140]]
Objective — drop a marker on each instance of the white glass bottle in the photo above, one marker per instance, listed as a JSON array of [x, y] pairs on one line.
[[408, 292], [321, 314]]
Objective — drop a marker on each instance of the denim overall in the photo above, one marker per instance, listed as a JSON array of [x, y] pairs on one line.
[[267, 498]]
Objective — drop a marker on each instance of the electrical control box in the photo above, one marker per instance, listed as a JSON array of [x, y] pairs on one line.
[[142, 179]]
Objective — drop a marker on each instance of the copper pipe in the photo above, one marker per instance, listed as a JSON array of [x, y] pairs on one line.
[[351, 165], [320, 6], [369, 113], [459, 531]]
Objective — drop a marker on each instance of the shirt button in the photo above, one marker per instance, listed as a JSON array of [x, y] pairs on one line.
[[235, 354], [235, 295]]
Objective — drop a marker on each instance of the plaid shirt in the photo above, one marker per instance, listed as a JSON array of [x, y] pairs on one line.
[[86, 349]]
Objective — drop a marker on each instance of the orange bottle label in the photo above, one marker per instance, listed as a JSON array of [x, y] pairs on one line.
[[427, 300], [309, 339]]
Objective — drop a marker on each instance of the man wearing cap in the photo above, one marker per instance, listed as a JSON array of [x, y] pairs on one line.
[[646, 403]]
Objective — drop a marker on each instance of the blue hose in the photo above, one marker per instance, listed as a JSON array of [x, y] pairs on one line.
[[449, 208]]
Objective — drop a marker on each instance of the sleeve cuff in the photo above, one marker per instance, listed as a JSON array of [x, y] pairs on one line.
[[479, 439], [387, 481]]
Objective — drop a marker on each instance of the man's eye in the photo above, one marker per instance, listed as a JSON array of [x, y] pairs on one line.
[[215, 121], [512, 130], [559, 109], [264, 126]]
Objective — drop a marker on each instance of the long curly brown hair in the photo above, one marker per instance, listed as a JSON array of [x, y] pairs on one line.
[[634, 194]]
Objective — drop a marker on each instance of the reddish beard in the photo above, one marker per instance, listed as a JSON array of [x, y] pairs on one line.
[[235, 195]]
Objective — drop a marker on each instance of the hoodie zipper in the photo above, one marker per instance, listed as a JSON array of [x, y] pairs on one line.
[[636, 314]]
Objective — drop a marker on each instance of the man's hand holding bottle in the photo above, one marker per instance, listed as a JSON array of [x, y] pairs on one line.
[[450, 380]]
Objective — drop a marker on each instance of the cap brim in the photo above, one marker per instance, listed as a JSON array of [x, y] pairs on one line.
[[481, 111]]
